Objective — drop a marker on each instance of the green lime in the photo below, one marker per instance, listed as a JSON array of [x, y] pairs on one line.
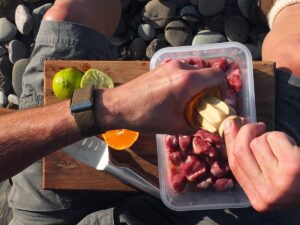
[[65, 82], [97, 78]]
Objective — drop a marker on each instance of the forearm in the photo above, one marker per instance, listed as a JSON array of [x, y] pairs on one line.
[[27, 136], [282, 44]]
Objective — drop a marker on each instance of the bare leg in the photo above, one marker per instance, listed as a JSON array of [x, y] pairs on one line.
[[101, 15]]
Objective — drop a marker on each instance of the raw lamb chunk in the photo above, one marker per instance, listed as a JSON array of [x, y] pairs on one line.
[[223, 184], [233, 77], [185, 142], [178, 180], [194, 168]]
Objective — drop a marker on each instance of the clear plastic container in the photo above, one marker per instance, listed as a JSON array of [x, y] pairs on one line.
[[201, 200]]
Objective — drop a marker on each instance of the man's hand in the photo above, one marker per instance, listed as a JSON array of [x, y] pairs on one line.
[[155, 101], [266, 165]]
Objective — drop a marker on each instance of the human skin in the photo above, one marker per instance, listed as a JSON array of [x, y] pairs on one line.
[[267, 164]]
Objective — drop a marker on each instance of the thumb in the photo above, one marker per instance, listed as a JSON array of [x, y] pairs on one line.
[[231, 129]]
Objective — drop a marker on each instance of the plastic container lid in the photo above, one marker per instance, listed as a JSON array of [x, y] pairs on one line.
[[201, 200]]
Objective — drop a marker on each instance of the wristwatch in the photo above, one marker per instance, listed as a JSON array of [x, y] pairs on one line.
[[82, 108]]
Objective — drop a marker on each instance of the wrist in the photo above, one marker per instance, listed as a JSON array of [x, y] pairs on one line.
[[107, 110]]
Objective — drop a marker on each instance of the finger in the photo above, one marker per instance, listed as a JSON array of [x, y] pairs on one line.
[[281, 144], [263, 154], [207, 77], [230, 133], [243, 153]]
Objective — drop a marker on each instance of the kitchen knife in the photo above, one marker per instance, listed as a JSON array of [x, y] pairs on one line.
[[95, 153]]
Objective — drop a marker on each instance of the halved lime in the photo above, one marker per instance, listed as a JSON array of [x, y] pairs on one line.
[[65, 82], [97, 78]]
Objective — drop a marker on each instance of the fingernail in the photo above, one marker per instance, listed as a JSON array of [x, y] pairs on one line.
[[228, 126]]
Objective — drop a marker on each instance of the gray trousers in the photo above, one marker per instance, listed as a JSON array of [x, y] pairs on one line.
[[33, 206]]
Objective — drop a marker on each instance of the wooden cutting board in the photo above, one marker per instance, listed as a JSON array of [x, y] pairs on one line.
[[60, 171]]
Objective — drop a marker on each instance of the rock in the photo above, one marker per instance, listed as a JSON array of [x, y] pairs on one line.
[[5, 66], [177, 33], [194, 2], [117, 41], [210, 8], [2, 51], [8, 30], [190, 13], [231, 2], [255, 51], [37, 15], [13, 99], [258, 33], [158, 12], [181, 3], [231, 11], [138, 48], [5, 84], [208, 37], [7, 8], [217, 24], [3, 99], [16, 50], [236, 29], [154, 46], [23, 19], [146, 31], [249, 9], [125, 4], [17, 74]]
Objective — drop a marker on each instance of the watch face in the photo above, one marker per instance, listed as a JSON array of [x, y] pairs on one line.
[[81, 106]]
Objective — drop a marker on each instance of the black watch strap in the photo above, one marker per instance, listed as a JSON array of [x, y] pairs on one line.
[[82, 108]]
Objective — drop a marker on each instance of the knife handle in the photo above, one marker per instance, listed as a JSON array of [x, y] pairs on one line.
[[131, 178]]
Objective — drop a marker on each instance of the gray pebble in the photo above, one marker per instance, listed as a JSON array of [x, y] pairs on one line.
[[158, 12], [16, 50], [23, 19], [177, 33], [181, 3], [194, 2], [217, 24], [236, 29], [138, 48], [5, 66], [17, 74], [190, 13], [8, 30], [210, 7], [2, 51], [208, 37], [154, 46], [146, 31], [255, 51], [258, 33], [37, 15], [249, 9], [231, 2], [5, 84], [3, 99], [13, 99]]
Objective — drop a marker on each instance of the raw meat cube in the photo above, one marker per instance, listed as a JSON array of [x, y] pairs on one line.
[[223, 184], [210, 137], [185, 142], [171, 143], [220, 63], [233, 77], [204, 185], [194, 168], [219, 168], [176, 157], [178, 180], [200, 146]]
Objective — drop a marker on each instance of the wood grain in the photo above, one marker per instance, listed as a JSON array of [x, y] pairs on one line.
[[60, 171]]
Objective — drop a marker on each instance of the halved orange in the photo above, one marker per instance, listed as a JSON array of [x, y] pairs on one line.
[[120, 139]]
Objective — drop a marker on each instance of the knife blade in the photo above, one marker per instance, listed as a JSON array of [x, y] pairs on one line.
[[94, 152]]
